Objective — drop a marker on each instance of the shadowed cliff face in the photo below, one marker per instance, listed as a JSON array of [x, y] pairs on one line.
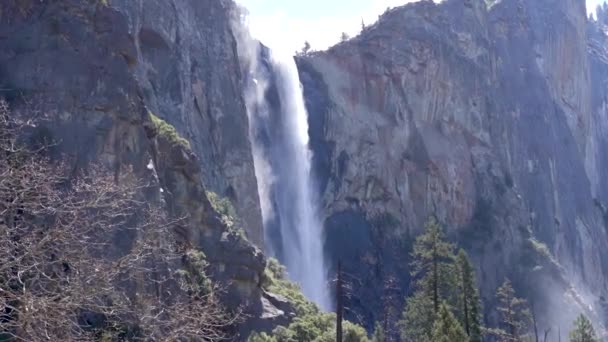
[[489, 119], [95, 69], [188, 70]]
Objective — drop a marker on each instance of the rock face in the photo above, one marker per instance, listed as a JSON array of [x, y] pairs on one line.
[[180, 61], [491, 118], [490, 115], [188, 70], [94, 70]]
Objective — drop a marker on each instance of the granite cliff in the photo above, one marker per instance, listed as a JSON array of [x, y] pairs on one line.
[[101, 76], [489, 115]]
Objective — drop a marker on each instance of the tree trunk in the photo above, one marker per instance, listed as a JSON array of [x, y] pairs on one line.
[[534, 322], [435, 277], [465, 297], [340, 305]]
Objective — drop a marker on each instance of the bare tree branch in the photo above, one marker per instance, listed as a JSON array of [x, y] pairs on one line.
[[62, 275]]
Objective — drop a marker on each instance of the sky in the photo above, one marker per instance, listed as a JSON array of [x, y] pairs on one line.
[[286, 24], [592, 4]]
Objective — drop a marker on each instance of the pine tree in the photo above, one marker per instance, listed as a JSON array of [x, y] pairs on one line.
[[514, 313], [447, 328], [418, 319], [433, 269], [470, 309], [379, 335], [433, 264], [583, 330]]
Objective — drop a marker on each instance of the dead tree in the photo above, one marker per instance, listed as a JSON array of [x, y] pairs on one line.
[[62, 276]]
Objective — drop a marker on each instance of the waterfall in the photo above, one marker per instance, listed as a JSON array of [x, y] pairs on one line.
[[301, 228], [283, 161]]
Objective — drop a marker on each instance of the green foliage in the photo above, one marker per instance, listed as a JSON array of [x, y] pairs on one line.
[[433, 269], [379, 334], [469, 302], [441, 278], [192, 276], [583, 330], [447, 328], [514, 314], [432, 265], [353, 333], [319, 327], [275, 281], [541, 250], [311, 327], [310, 324], [223, 206], [261, 337], [168, 131], [418, 318]]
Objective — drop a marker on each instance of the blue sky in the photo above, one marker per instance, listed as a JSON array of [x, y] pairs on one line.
[[286, 24]]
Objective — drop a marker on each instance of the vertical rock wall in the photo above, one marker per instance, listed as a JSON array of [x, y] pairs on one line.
[[484, 116]]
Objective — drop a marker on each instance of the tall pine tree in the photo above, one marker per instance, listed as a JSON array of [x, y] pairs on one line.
[[433, 271], [583, 330], [433, 264], [469, 302], [447, 328], [514, 313]]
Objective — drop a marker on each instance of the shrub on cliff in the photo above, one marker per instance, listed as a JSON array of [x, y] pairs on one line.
[[223, 206], [168, 131], [275, 281], [319, 327], [310, 324]]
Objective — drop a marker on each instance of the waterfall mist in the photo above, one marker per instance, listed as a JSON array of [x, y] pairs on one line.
[[279, 135]]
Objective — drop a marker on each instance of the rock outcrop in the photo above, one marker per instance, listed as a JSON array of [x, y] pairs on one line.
[[483, 114], [94, 71]]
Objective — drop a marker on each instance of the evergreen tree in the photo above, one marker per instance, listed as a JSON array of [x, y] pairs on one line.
[[514, 313], [447, 328], [418, 319], [583, 330], [433, 264], [470, 310], [433, 269], [379, 335]]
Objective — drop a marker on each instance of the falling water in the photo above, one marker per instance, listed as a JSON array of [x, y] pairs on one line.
[[300, 223], [282, 157]]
